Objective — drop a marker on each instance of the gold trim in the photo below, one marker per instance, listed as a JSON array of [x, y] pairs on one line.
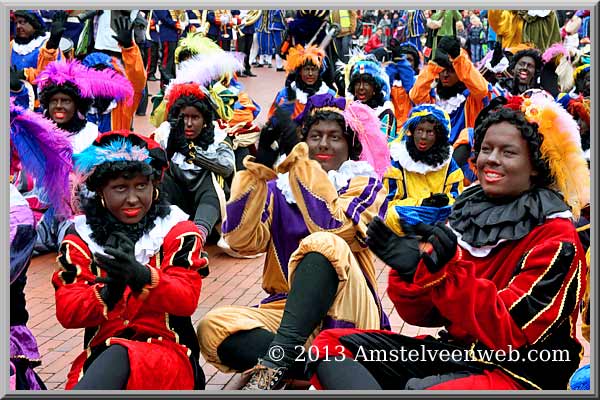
[[520, 268], [533, 284], [105, 307]]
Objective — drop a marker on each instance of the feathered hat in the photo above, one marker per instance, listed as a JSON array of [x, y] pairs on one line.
[[217, 96], [300, 55], [45, 152], [559, 56], [362, 120], [90, 83], [208, 68], [195, 43], [118, 146], [361, 63], [561, 147], [416, 115], [581, 69]]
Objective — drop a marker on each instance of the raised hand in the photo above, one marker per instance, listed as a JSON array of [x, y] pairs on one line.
[[177, 143], [56, 29], [124, 31]]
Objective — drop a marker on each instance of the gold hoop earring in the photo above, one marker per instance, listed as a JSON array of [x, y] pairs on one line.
[[156, 193], [102, 202]]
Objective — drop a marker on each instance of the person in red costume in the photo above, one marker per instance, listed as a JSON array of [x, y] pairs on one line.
[[504, 277], [130, 273]]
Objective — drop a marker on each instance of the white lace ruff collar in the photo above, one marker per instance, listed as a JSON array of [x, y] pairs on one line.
[[339, 178], [399, 153], [451, 104], [147, 246], [302, 96], [23, 49]]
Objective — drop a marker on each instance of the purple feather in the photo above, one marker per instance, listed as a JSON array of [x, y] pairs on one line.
[[45, 152], [91, 83]]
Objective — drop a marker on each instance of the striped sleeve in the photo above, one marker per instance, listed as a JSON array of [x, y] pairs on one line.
[[324, 209]]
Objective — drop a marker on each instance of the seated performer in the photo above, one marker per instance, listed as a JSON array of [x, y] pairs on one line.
[[304, 66], [310, 219], [200, 156], [423, 180], [130, 273], [504, 277], [366, 81]]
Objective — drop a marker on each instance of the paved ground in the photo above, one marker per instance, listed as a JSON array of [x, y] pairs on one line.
[[231, 281]]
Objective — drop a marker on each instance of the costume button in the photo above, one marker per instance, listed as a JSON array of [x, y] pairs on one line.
[[126, 322]]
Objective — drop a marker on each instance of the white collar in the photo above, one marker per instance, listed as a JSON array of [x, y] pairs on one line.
[[147, 246], [339, 178], [23, 49], [451, 104], [302, 96], [399, 153]]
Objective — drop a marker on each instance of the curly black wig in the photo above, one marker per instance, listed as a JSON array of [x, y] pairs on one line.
[[377, 99], [82, 105], [438, 153], [101, 221], [537, 58], [207, 136], [354, 146], [582, 83], [529, 132]]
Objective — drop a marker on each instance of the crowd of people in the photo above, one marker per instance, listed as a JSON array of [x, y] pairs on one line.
[[452, 145]]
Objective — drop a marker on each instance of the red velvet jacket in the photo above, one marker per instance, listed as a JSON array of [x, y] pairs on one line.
[[523, 294]]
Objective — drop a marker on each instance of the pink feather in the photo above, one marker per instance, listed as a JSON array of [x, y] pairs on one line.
[[367, 126], [91, 83], [553, 51]]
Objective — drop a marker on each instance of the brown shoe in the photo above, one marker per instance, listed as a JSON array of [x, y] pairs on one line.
[[265, 378]]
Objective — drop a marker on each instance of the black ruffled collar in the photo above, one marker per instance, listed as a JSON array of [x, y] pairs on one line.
[[482, 221]]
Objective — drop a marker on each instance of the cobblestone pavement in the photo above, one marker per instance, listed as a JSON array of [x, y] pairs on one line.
[[231, 281]]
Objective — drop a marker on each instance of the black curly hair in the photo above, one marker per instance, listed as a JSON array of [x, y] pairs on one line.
[[354, 146], [580, 83], [38, 29], [377, 99], [529, 132], [82, 105], [537, 58], [207, 136], [100, 220], [438, 153]]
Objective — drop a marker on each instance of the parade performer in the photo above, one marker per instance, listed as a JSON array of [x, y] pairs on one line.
[[366, 81], [32, 50], [402, 73], [310, 219], [459, 88], [130, 272], [200, 155], [423, 181], [45, 152], [506, 274], [107, 113], [67, 89], [304, 66]]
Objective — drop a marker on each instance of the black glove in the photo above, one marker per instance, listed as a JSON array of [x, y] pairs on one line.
[[444, 244], [287, 129], [436, 200], [123, 29], [291, 93], [450, 45], [16, 75], [399, 252], [123, 264], [497, 54], [177, 143], [56, 30], [268, 148]]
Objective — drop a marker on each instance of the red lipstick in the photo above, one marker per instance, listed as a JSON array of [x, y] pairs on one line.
[[132, 212]]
